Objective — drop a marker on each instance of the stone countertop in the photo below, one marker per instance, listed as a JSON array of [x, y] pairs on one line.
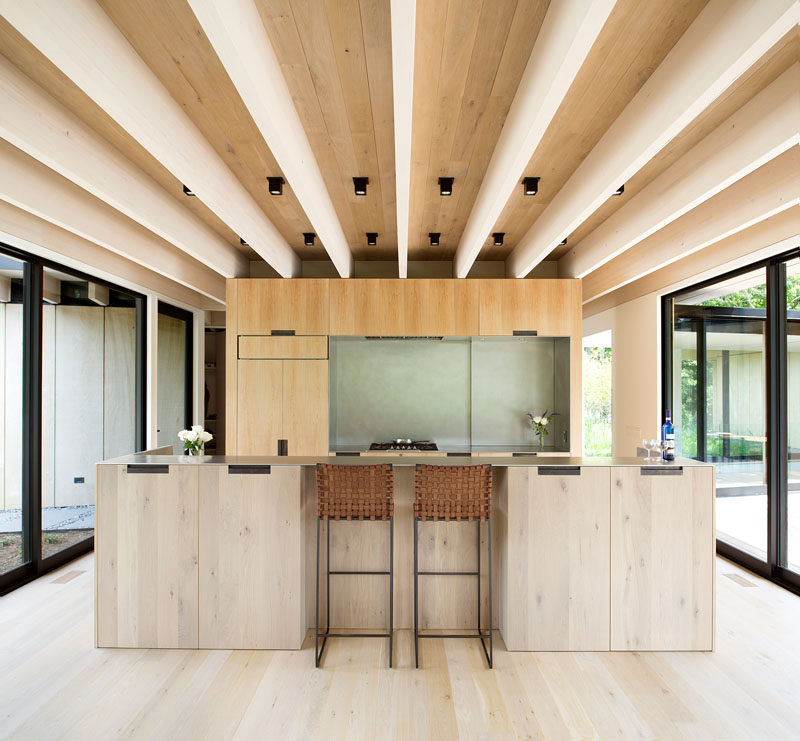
[[395, 460]]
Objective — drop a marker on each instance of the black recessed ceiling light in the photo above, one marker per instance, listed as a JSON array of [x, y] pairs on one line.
[[372, 238], [619, 191], [446, 186], [188, 191], [434, 237], [498, 238], [530, 186], [275, 186], [563, 241], [360, 186], [308, 238], [242, 242]]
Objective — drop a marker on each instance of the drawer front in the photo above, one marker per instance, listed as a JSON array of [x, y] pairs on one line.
[[278, 347]]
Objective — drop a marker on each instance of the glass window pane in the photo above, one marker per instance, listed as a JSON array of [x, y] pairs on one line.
[[11, 277], [173, 415], [597, 394], [793, 417], [88, 399], [720, 399]]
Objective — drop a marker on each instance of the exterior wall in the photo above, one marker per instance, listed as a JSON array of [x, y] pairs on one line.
[[636, 370]]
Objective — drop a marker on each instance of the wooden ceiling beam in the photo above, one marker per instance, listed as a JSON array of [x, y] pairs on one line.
[[240, 40], [36, 123], [29, 185], [80, 39], [725, 40], [32, 234], [568, 33], [773, 188], [777, 234], [761, 130], [403, 19]]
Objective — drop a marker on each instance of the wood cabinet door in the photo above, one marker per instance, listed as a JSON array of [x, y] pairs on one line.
[[555, 567], [305, 406], [662, 560], [252, 580], [546, 306], [429, 307], [361, 306], [259, 405], [298, 304], [146, 557]]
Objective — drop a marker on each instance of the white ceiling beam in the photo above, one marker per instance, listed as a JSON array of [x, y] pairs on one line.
[[758, 132], [725, 40], [39, 237], [36, 123], [404, 20], [565, 39], [31, 186], [83, 42], [240, 40], [773, 188], [779, 233]]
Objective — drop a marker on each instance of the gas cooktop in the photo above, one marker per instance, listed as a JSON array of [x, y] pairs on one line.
[[404, 444]]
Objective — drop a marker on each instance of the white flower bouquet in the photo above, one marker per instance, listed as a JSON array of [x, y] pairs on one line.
[[539, 424], [194, 440]]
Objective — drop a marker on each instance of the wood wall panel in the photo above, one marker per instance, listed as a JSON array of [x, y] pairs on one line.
[[252, 562], [146, 547], [662, 560], [555, 566]]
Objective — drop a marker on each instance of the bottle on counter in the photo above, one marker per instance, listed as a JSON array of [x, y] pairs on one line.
[[668, 438]]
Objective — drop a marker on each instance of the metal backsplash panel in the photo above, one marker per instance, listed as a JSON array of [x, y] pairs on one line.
[[381, 389]]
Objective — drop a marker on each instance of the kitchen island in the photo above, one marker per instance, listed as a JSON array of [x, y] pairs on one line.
[[588, 553]]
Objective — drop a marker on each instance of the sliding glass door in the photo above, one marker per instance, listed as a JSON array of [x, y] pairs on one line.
[[174, 373], [732, 379]]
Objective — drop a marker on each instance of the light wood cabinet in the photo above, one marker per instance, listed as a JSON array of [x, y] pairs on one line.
[[361, 306], [282, 400], [147, 556], [662, 559], [252, 567], [548, 307], [255, 347], [554, 561], [267, 305]]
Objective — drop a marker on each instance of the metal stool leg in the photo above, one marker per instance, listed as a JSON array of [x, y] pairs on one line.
[[478, 534], [317, 654], [391, 588], [416, 597], [491, 631]]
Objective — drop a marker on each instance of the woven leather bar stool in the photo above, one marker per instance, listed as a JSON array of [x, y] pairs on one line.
[[353, 493], [464, 494]]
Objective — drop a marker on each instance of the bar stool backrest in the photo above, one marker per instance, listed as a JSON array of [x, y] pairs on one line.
[[453, 492], [355, 492]]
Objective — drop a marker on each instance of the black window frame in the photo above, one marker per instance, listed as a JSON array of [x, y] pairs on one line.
[[776, 411], [34, 564]]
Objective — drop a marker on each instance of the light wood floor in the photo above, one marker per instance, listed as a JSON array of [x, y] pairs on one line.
[[54, 684]]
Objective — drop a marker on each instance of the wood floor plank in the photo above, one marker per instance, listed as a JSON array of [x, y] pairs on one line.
[[54, 684]]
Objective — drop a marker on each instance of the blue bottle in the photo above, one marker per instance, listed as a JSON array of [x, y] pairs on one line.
[[668, 436]]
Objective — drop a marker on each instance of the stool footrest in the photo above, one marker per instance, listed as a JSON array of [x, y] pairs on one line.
[[355, 635], [453, 635], [448, 573], [384, 573]]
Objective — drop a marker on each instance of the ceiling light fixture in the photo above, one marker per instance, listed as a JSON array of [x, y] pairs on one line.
[[619, 191], [446, 186], [498, 238], [275, 186], [360, 186], [308, 239], [530, 186], [434, 237], [563, 241], [188, 191], [372, 238], [243, 243]]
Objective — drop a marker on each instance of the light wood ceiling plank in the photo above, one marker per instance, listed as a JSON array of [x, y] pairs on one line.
[[773, 188], [725, 40], [740, 145], [84, 43]]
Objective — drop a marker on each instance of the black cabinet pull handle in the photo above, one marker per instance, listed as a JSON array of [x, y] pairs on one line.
[[283, 447], [652, 471], [525, 333], [559, 470], [282, 332], [244, 468], [144, 468]]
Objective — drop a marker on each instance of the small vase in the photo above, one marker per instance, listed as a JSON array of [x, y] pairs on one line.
[[541, 441], [196, 453]]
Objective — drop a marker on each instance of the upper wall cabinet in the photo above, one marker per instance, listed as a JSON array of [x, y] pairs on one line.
[[267, 305], [416, 307], [548, 307]]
